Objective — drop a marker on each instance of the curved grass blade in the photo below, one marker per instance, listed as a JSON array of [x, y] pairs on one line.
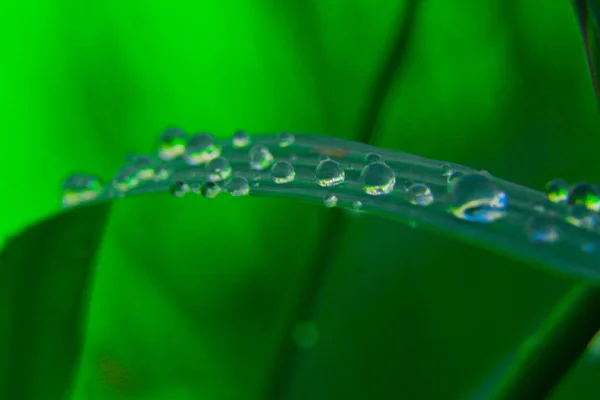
[[45, 275], [588, 14]]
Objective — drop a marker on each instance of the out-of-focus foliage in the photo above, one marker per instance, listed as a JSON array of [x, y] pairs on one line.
[[191, 297]]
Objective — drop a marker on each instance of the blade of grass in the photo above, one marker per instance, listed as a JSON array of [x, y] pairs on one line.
[[587, 13], [45, 276]]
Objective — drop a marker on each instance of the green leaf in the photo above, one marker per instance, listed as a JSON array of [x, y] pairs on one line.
[[46, 274]]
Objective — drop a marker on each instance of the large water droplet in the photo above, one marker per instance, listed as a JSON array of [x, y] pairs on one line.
[[377, 179], [541, 229], [79, 188], [179, 188], [373, 158], [283, 172], [126, 178], [210, 190], [201, 148], [477, 198], [260, 157], [238, 186], [286, 139], [330, 200], [172, 143], [585, 194], [329, 173], [420, 195], [557, 190], [240, 139], [581, 216], [218, 169]]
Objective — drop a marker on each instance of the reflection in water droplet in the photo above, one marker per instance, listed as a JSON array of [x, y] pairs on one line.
[[541, 229], [329, 173], [126, 178], [581, 216], [286, 139], [447, 171], [420, 195], [454, 175], [330, 201], [373, 158], [283, 172], [218, 169], [477, 198], [79, 188], [305, 335], [171, 143], [377, 179], [260, 157], [179, 188], [210, 190], [357, 205], [557, 190], [585, 194], [145, 164], [238, 186], [201, 148], [240, 139]]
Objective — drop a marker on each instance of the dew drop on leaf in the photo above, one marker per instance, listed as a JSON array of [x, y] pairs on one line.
[[329, 173], [126, 178], [218, 169], [579, 215], [201, 148], [286, 139], [240, 139], [330, 200], [557, 191], [283, 172], [420, 194], [179, 188], [238, 186], [477, 198], [210, 190], [260, 157], [79, 188], [541, 229], [171, 143], [377, 179], [585, 194]]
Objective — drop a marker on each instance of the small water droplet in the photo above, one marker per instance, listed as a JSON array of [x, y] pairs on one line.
[[218, 169], [305, 335], [179, 188], [585, 194], [557, 190], [260, 157], [238, 186], [283, 172], [477, 198], [329, 173], [452, 175], [145, 164], [210, 190], [357, 205], [286, 139], [330, 201], [126, 178], [371, 158], [377, 179], [539, 208], [201, 148], [579, 215], [447, 170], [420, 195], [541, 229], [171, 143], [162, 173], [240, 139], [79, 188]]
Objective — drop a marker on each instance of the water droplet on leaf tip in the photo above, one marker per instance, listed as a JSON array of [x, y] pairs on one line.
[[79, 188], [581, 216]]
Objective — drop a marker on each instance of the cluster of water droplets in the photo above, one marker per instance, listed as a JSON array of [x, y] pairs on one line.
[[354, 176]]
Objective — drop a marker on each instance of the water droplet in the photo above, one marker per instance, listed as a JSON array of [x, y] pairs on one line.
[[179, 188], [238, 186], [260, 157], [371, 158], [126, 179], [145, 164], [541, 229], [201, 148], [218, 169], [172, 143], [447, 171], [286, 139], [210, 190], [240, 139], [79, 188], [305, 335], [539, 208], [283, 172], [329, 173], [330, 200], [420, 195], [454, 175], [195, 187], [357, 205], [477, 198], [377, 179], [557, 190], [585, 194], [579, 215]]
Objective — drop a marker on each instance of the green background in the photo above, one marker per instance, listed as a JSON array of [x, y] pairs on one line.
[[192, 297]]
